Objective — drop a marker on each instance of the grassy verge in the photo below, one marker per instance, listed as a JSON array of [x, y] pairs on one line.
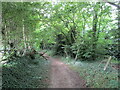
[[26, 73], [94, 74]]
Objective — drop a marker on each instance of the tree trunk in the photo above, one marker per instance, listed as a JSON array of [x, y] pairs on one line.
[[118, 31], [24, 38], [1, 44], [94, 37]]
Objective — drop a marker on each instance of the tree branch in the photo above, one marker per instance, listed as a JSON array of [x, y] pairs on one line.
[[112, 4]]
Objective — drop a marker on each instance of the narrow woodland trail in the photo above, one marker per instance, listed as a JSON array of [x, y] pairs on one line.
[[62, 76]]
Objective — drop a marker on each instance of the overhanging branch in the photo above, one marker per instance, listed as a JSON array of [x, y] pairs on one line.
[[112, 4]]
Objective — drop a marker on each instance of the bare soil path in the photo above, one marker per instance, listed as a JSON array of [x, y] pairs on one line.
[[62, 76]]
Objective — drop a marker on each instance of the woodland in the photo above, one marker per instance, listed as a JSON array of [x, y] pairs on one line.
[[84, 35]]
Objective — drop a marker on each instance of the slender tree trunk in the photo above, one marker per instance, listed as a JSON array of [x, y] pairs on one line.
[[76, 55], [24, 37], [118, 31], [83, 25], [95, 20], [1, 45], [5, 40]]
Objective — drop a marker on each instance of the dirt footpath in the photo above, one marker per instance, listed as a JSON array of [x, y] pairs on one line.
[[63, 77]]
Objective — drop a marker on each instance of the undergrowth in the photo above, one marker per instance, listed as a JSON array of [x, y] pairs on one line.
[[50, 53], [25, 73], [94, 74]]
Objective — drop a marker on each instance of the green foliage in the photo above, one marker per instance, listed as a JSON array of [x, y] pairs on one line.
[[86, 27], [19, 73], [88, 31]]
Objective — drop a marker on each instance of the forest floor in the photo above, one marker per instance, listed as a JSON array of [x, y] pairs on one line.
[[58, 72], [26, 73], [62, 76], [93, 73]]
